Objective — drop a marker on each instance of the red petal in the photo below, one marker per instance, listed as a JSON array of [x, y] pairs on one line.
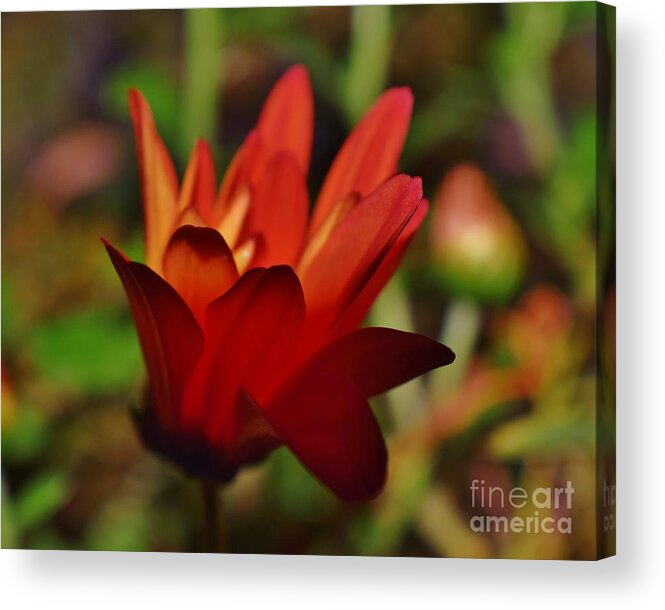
[[379, 359], [287, 118], [158, 179], [170, 338], [370, 154], [247, 162], [279, 211], [285, 124], [356, 248], [359, 308], [336, 437], [199, 185], [251, 332], [254, 437], [322, 414], [199, 265]]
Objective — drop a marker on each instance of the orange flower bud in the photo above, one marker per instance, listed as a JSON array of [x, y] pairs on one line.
[[479, 250]]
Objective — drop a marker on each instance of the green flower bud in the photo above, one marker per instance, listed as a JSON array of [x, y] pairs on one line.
[[478, 249]]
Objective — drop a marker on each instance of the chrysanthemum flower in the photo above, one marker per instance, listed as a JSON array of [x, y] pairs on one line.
[[248, 307]]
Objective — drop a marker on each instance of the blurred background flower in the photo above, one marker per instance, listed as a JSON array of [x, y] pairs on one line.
[[506, 135], [478, 250]]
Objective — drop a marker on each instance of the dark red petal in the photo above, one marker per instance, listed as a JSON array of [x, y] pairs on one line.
[[199, 265], [356, 248], [333, 432], [251, 332], [199, 185], [279, 211], [170, 338], [370, 154], [287, 118], [158, 179], [254, 437], [321, 411], [379, 359]]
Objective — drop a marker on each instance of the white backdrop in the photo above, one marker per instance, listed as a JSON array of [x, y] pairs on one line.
[[635, 577]]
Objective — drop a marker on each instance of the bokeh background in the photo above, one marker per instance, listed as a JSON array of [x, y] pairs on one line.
[[512, 135]]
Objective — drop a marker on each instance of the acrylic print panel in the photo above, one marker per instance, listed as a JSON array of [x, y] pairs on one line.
[[355, 289]]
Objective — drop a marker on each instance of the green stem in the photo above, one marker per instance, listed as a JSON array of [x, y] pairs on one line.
[[459, 331], [203, 74], [369, 58], [211, 541], [407, 402]]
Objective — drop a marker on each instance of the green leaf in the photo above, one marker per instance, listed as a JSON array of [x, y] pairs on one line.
[[8, 317], [539, 435], [295, 490], [40, 500], [121, 526], [26, 437], [88, 352], [9, 532], [520, 62], [570, 198]]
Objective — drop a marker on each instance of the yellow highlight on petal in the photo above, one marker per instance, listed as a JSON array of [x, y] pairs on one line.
[[234, 219], [316, 241], [244, 254], [190, 216]]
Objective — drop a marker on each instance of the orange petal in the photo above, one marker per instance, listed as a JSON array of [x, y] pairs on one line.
[[370, 154], [319, 238], [234, 220], [285, 124], [170, 338], [199, 185], [249, 159], [279, 211], [190, 216], [359, 308], [356, 248], [199, 265], [287, 118], [245, 252], [158, 180]]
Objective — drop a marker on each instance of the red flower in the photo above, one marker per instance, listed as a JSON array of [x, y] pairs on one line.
[[247, 310]]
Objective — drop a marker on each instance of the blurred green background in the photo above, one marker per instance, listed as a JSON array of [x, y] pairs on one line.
[[507, 89]]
